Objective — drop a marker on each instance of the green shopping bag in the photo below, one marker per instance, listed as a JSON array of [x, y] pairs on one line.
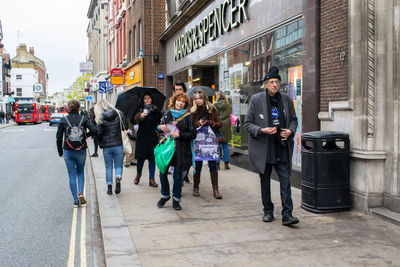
[[163, 154]]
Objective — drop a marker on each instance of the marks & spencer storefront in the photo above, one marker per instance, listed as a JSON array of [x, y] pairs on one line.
[[230, 45]]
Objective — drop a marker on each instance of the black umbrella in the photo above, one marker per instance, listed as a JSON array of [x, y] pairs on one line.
[[130, 100], [208, 90], [127, 103]]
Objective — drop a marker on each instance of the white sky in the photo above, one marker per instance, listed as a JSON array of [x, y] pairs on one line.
[[57, 31]]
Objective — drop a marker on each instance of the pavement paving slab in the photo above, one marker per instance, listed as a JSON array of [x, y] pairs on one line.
[[230, 232]]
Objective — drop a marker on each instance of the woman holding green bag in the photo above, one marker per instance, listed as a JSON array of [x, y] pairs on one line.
[[177, 123]]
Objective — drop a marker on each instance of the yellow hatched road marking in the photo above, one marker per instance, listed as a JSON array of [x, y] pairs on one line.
[[83, 237], [71, 256]]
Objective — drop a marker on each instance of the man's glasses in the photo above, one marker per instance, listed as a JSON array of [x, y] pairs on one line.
[[274, 82]]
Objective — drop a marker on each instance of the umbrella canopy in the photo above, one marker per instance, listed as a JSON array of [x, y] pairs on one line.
[[129, 101], [208, 90]]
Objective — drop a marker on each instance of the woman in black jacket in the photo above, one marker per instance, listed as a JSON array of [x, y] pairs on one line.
[[73, 148], [178, 114], [109, 120], [147, 118]]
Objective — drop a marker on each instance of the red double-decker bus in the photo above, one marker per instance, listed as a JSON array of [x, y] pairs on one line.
[[47, 110], [28, 112]]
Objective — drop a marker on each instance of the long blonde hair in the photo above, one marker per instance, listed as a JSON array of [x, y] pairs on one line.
[[203, 96], [102, 106], [221, 96]]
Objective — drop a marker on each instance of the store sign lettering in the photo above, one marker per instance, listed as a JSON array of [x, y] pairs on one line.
[[227, 16]]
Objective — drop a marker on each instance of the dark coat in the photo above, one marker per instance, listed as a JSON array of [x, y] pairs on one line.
[[109, 130], [182, 159], [224, 111], [147, 135], [259, 117], [74, 119]]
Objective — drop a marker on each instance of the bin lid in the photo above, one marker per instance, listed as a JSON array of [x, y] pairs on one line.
[[324, 135]]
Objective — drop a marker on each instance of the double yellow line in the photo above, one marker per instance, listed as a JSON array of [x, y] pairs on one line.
[[72, 242]]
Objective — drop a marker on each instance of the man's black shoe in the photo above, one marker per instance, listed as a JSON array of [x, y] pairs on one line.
[[162, 202], [176, 205], [133, 163], [268, 217], [289, 220], [94, 155]]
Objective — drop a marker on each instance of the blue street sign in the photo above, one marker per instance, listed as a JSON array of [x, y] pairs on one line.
[[109, 86], [89, 98], [103, 87]]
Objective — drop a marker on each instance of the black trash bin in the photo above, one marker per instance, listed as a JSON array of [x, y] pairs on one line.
[[325, 172]]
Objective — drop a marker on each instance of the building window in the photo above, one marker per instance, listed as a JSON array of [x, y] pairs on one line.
[[171, 7], [140, 35], [19, 91], [134, 42], [130, 46], [262, 46], [18, 77]]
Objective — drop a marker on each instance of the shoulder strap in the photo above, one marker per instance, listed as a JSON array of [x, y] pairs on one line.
[[120, 122], [69, 124], [80, 123]]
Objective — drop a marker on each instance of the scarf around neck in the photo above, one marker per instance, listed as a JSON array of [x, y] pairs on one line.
[[177, 113]]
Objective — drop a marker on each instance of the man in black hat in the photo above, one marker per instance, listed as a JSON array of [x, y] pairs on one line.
[[271, 122]]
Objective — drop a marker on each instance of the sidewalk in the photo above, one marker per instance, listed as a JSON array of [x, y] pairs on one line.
[[5, 125], [230, 232]]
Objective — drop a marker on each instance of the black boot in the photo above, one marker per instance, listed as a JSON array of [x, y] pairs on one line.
[[162, 202], [176, 205], [109, 190], [118, 185], [196, 183], [214, 181]]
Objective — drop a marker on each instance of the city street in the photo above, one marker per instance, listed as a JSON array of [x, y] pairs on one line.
[[38, 221]]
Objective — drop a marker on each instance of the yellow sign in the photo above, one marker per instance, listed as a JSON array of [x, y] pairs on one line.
[[117, 80], [134, 74]]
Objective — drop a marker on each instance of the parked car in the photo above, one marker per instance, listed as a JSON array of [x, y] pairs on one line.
[[56, 118]]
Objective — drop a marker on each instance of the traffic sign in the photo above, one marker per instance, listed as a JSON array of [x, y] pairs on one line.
[[89, 98], [103, 87], [109, 86]]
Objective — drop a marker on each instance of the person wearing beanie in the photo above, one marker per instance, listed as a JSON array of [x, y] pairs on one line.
[[271, 122]]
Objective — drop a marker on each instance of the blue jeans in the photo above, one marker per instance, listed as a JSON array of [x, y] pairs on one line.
[[176, 185], [139, 167], [225, 149], [212, 165], [75, 162], [113, 156]]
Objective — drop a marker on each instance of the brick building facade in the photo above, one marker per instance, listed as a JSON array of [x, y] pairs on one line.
[[144, 26], [334, 51]]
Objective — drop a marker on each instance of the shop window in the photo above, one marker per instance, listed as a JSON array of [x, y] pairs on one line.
[[246, 69]]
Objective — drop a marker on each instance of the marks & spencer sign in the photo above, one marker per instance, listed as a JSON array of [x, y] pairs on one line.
[[229, 15]]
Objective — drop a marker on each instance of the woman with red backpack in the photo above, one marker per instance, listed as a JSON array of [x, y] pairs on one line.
[[71, 144]]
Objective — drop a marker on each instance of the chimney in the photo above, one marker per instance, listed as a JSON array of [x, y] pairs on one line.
[[32, 51]]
